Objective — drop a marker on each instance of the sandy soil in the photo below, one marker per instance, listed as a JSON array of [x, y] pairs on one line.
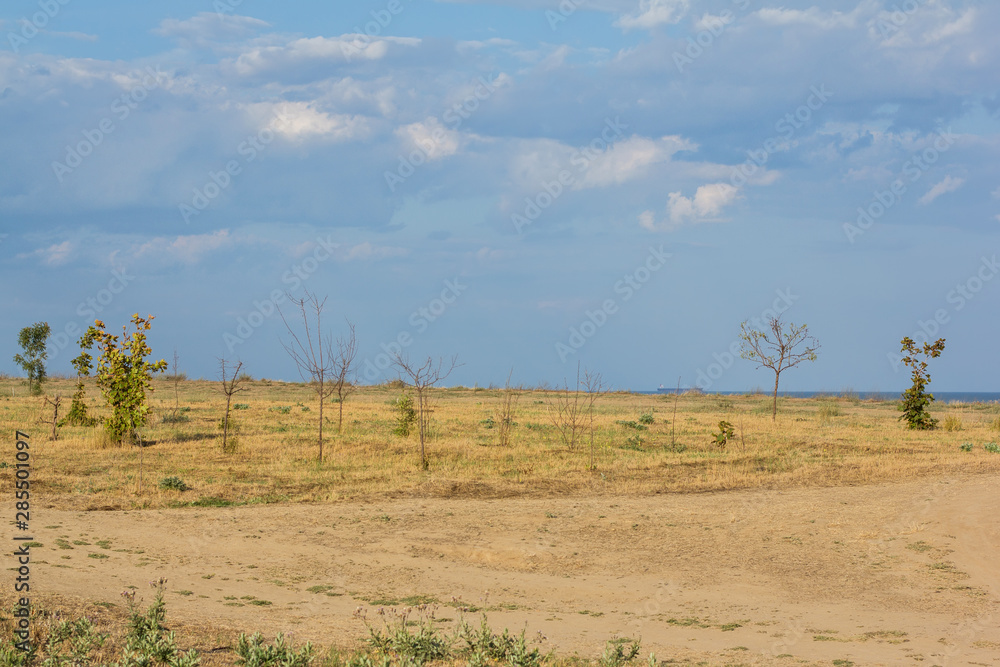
[[889, 574]]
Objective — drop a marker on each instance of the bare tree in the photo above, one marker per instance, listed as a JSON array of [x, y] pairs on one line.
[[777, 348], [231, 385], [55, 415], [507, 410], [593, 384], [312, 353], [344, 373], [566, 412], [422, 378]]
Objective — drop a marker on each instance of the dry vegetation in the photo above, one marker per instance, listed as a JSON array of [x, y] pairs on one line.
[[828, 441]]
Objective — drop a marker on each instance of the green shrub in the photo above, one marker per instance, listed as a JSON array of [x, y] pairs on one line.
[[646, 418], [173, 483], [967, 447], [725, 434], [992, 448], [280, 409], [241, 406], [406, 416], [253, 652]]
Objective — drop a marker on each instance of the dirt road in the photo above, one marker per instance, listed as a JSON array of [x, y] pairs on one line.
[[889, 574]]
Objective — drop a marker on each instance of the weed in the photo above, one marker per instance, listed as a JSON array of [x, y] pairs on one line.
[[173, 483], [280, 409], [646, 418], [952, 423], [631, 424], [241, 406], [966, 447], [253, 652], [992, 448], [619, 652]]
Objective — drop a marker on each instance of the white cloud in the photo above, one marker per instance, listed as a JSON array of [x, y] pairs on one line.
[[209, 28], [53, 255], [652, 13], [296, 121], [708, 202], [295, 54], [431, 137], [629, 158], [812, 16], [949, 184], [185, 249]]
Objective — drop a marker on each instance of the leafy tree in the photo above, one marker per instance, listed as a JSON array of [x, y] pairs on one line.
[[422, 377], [777, 348], [77, 415], [32, 340], [915, 399], [124, 375]]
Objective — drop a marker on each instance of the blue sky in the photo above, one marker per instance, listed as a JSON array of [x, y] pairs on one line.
[[527, 184]]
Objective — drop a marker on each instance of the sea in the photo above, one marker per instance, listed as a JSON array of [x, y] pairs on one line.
[[940, 396]]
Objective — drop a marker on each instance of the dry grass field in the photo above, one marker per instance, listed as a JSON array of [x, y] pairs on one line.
[[831, 536]]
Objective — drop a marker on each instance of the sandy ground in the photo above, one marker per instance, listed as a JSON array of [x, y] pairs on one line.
[[891, 574]]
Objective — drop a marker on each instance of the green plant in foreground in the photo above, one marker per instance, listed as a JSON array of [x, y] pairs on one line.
[[725, 434], [916, 399], [619, 652], [646, 418], [992, 448], [253, 652], [967, 447]]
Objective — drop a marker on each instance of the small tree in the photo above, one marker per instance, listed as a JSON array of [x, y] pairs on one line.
[[231, 385], [54, 421], [32, 340], [915, 399], [593, 384], [422, 378], [506, 411], [77, 415], [312, 353], [124, 376], [777, 348], [344, 373]]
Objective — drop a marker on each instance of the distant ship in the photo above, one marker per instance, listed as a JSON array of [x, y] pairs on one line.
[[672, 390]]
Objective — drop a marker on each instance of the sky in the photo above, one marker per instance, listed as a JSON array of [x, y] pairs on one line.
[[531, 185]]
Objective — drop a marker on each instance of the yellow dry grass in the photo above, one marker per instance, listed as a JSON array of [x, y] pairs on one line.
[[815, 442]]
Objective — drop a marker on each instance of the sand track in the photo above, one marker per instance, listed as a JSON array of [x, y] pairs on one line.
[[887, 574]]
